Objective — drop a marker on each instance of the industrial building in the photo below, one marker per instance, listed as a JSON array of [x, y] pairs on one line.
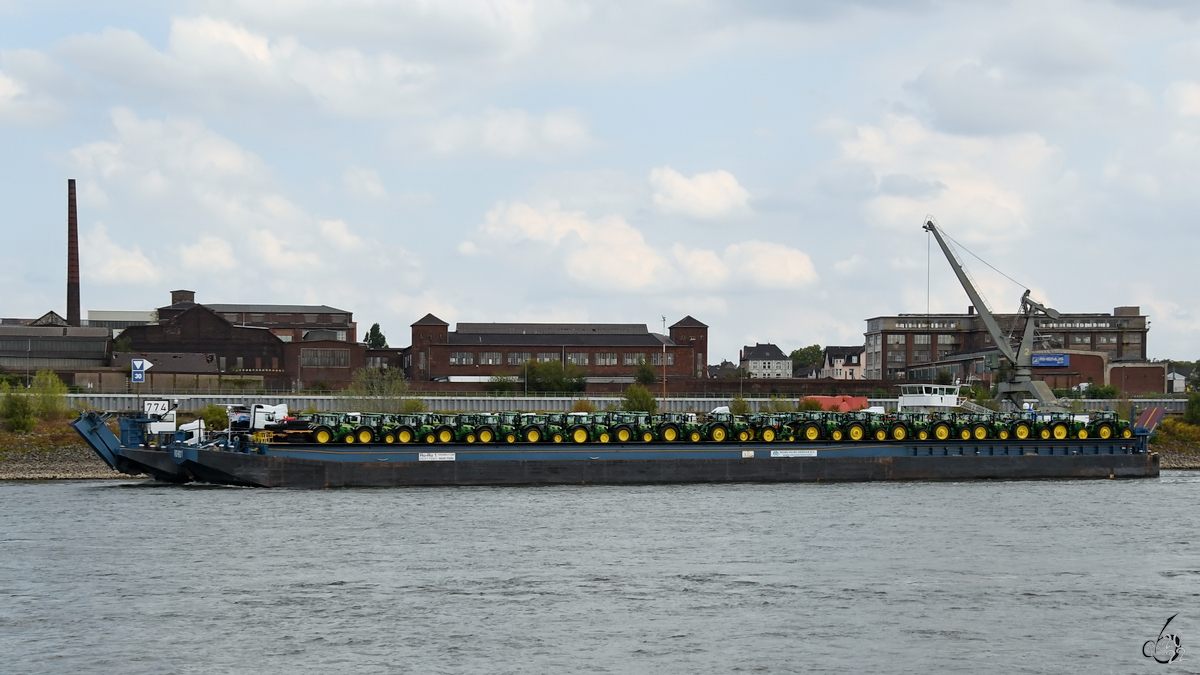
[[290, 323], [605, 352]]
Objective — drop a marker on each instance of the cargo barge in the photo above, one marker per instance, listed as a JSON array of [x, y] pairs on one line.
[[812, 447]]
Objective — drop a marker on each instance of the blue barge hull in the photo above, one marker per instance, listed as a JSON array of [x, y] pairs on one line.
[[330, 466]]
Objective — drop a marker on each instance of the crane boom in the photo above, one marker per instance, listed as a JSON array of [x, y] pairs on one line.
[[989, 321], [1021, 382]]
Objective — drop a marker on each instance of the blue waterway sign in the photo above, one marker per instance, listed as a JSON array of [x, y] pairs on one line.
[[138, 368], [1051, 360]]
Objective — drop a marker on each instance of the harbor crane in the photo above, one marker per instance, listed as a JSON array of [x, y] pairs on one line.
[[1020, 384]]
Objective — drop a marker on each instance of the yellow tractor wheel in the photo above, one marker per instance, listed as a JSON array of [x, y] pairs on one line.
[[899, 433], [857, 433], [836, 435], [812, 433], [647, 437], [533, 436], [623, 435], [322, 436], [718, 434], [1105, 432], [579, 435], [485, 436], [768, 435], [1021, 432], [1083, 434], [880, 435], [941, 432]]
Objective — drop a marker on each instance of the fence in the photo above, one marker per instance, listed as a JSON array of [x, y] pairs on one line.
[[440, 403]]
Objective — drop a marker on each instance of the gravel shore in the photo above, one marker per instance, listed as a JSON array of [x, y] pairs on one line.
[[61, 463]]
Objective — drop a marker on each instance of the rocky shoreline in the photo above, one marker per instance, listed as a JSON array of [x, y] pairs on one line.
[[60, 463]]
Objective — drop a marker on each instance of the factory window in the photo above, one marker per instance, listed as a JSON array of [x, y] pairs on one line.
[[258, 318], [1107, 339], [491, 358], [1133, 338], [285, 338], [517, 358], [895, 338], [921, 339], [310, 318], [221, 364], [274, 363], [1134, 351], [632, 358], [377, 362], [657, 358], [1081, 339], [895, 357], [325, 358], [577, 358], [281, 318], [942, 354], [945, 339], [920, 356], [546, 357], [337, 318], [240, 361], [462, 358], [606, 359], [341, 336], [258, 363], [230, 317]]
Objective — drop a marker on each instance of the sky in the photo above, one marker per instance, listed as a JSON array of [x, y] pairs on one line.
[[764, 166]]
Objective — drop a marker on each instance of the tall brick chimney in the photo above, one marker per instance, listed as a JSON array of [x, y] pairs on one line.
[[72, 257]]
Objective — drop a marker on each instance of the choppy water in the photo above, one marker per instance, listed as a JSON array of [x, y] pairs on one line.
[[997, 577]]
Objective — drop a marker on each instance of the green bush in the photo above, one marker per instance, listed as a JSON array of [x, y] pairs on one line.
[[810, 404], [501, 384], [583, 405], [739, 406], [214, 417], [18, 412], [552, 376], [1102, 391], [782, 405], [1191, 412], [639, 398], [49, 395]]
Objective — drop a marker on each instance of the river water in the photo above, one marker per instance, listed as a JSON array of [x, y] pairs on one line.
[[983, 577]]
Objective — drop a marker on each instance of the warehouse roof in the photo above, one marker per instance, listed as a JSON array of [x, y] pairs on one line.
[[276, 309], [688, 322], [644, 339], [553, 328]]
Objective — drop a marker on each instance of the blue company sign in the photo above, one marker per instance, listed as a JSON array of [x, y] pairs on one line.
[[1051, 360]]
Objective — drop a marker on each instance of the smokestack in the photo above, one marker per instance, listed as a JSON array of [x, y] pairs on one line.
[[72, 257]]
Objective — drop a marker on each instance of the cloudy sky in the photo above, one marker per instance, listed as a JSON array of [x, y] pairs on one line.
[[762, 165]]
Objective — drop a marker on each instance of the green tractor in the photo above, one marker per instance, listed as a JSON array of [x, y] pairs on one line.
[[1060, 426], [815, 425], [410, 428], [583, 428], [673, 427], [944, 426], [718, 427], [770, 427], [534, 427], [628, 427], [906, 425], [556, 427], [855, 426], [332, 428], [1106, 424]]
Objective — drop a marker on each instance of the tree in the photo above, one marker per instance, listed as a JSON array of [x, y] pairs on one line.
[[583, 405], [639, 398], [375, 338], [551, 376], [738, 405], [782, 405], [501, 384], [807, 357], [944, 377], [380, 390], [49, 395], [1191, 412], [645, 374], [17, 410], [215, 417]]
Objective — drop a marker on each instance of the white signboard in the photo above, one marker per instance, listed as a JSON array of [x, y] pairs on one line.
[[156, 407], [138, 368], [747, 454], [793, 453], [435, 456]]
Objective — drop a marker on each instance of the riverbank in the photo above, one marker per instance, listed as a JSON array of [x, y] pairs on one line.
[[52, 451]]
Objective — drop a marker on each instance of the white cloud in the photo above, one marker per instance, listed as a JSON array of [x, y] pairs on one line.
[[979, 186], [21, 103], [1186, 98], [712, 195], [769, 265], [363, 182], [211, 254], [104, 261], [507, 133], [215, 62], [605, 253], [609, 253]]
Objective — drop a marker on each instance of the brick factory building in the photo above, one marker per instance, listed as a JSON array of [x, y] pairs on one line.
[[1101, 349], [290, 323], [605, 352]]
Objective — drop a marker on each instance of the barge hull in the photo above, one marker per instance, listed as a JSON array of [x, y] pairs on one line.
[[288, 472]]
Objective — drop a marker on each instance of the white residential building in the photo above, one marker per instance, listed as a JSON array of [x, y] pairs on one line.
[[765, 361]]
